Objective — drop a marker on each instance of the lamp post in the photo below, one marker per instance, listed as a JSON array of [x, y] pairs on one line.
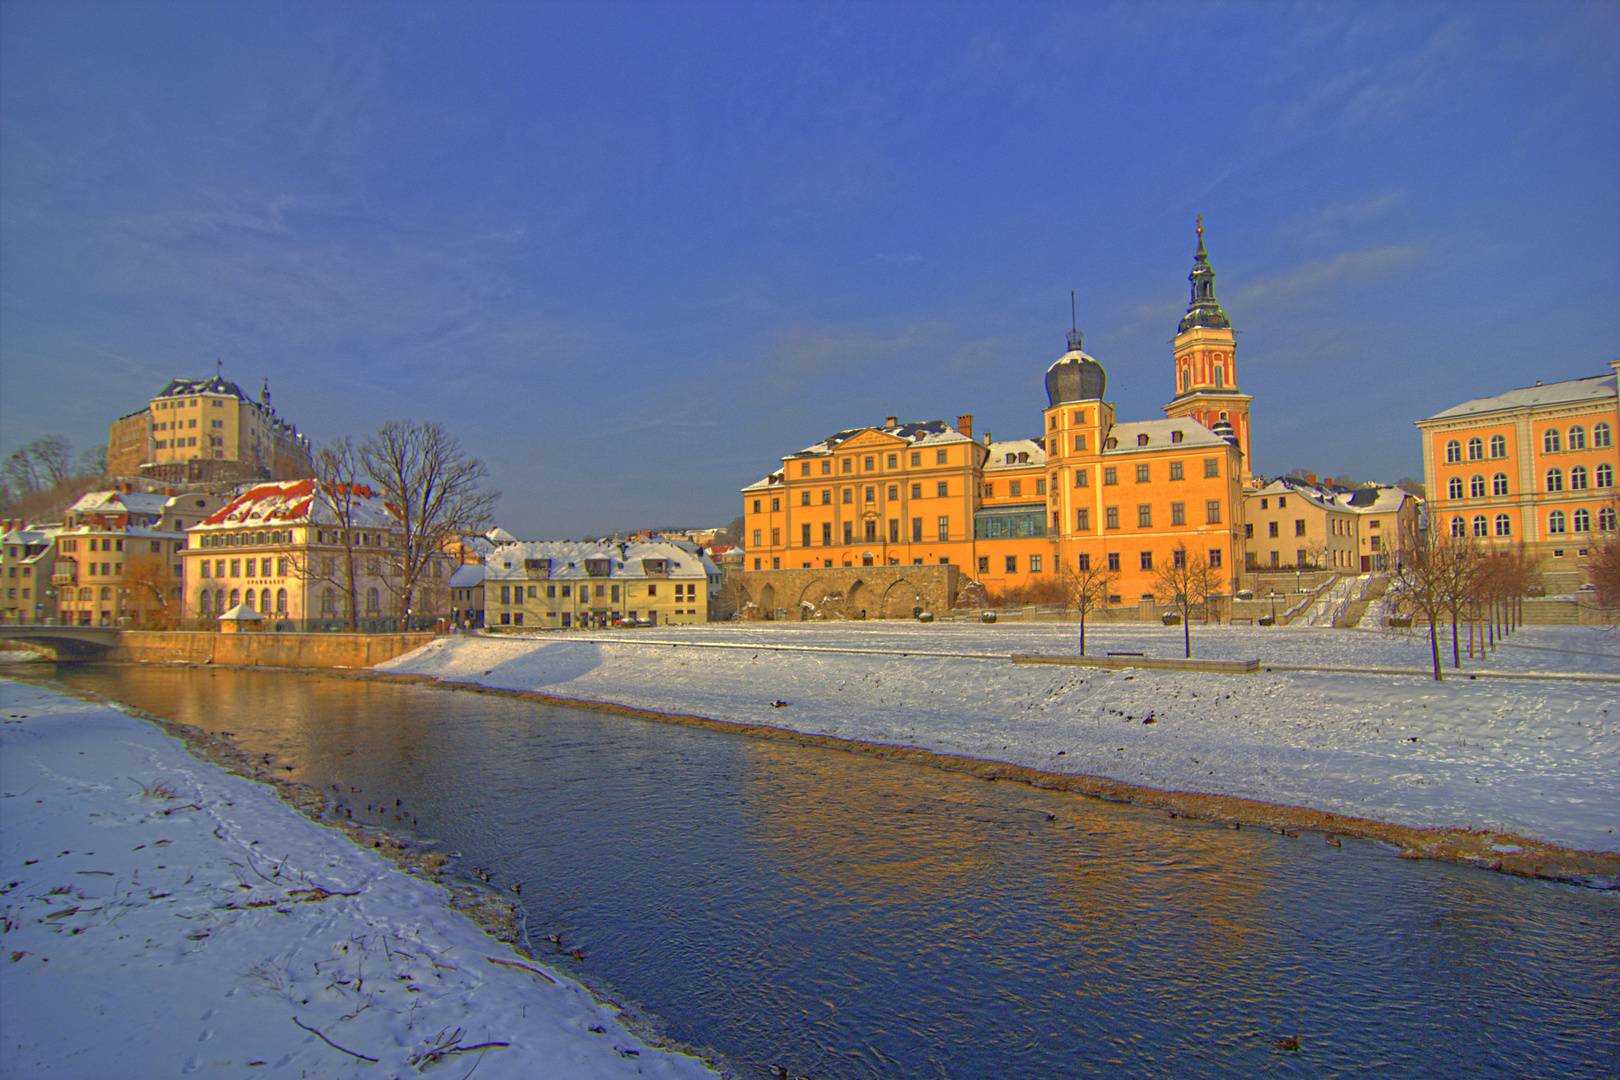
[[1273, 607]]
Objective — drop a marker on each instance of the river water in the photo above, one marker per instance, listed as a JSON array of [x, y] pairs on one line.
[[843, 917]]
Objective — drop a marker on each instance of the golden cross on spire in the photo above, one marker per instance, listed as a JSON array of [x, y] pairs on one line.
[[1200, 224]]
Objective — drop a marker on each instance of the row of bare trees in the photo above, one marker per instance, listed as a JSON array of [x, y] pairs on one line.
[[1452, 579], [1187, 583]]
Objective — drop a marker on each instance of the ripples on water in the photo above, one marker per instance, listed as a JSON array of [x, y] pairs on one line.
[[852, 918]]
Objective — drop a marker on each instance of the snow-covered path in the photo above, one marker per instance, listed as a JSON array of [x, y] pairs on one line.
[[162, 916], [1531, 757]]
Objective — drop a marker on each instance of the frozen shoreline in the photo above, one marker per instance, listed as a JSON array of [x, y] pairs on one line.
[[1528, 757], [195, 921]]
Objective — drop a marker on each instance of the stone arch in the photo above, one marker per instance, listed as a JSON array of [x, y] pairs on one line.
[[857, 600], [821, 599], [901, 600], [767, 602]]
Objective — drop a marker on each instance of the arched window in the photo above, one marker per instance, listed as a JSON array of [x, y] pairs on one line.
[[1582, 520], [106, 592], [1577, 478], [87, 594], [1459, 527], [1577, 437], [372, 606], [1220, 374], [1606, 519], [328, 602], [1555, 479], [1550, 441], [1555, 523], [236, 597], [1605, 475], [1476, 486], [202, 602], [1504, 525], [247, 600], [1499, 484], [1481, 526], [1454, 488], [1453, 451], [1498, 446], [281, 601], [1476, 448], [258, 538], [1600, 435]]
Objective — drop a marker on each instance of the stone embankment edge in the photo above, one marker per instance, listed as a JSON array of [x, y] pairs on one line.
[[1467, 847]]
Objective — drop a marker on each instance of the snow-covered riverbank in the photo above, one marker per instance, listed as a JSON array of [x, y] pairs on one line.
[[1535, 758], [162, 916]]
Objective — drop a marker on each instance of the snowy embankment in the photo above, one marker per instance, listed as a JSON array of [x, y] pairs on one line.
[[163, 916], [1528, 757]]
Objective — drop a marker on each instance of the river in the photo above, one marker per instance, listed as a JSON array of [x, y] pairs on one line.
[[843, 917]]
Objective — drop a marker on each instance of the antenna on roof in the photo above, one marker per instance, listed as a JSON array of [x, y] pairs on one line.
[[1074, 334]]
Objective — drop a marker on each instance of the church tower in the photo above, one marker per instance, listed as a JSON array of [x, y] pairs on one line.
[[1206, 364]]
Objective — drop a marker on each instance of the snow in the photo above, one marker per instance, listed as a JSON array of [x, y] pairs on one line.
[[163, 916], [1530, 756]]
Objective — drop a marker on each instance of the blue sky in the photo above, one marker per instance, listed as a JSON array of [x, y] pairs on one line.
[[632, 254]]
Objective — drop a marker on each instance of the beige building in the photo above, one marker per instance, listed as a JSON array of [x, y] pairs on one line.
[[1295, 524], [206, 430], [118, 558], [27, 556], [280, 550], [561, 585]]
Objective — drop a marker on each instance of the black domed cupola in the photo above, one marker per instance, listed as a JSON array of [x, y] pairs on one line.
[[1075, 377], [1204, 310]]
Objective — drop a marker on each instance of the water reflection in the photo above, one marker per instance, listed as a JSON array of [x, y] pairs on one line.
[[848, 917]]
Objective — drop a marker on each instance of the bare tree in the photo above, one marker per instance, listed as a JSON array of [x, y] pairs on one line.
[[337, 469], [433, 489], [92, 462], [148, 583], [1186, 582], [1429, 582], [1087, 588]]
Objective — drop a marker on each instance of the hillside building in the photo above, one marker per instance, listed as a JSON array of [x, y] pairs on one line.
[[562, 585], [201, 431]]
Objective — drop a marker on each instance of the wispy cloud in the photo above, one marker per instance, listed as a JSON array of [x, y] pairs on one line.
[[1351, 267]]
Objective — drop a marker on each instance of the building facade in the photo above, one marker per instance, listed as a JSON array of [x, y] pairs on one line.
[[564, 585], [1297, 525], [284, 550], [1532, 469], [118, 558], [27, 556], [204, 431], [1088, 491]]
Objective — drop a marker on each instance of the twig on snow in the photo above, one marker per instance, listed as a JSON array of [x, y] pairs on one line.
[[332, 1044], [525, 967]]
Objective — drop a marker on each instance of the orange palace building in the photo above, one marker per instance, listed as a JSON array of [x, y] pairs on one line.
[[1088, 490]]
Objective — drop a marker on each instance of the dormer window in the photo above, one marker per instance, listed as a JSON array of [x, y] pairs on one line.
[[1111, 443], [1142, 440], [1176, 436]]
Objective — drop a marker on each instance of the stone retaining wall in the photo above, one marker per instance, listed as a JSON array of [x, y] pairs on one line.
[[263, 650]]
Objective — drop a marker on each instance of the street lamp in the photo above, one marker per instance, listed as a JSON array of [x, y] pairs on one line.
[[1273, 607]]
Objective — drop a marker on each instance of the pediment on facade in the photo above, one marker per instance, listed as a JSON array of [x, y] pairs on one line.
[[872, 440]]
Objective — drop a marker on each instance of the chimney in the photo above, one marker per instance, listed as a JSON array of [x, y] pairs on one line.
[[964, 424], [987, 438], [1310, 478], [891, 421]]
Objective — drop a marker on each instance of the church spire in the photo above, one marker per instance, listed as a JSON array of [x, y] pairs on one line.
[[1204, 309]]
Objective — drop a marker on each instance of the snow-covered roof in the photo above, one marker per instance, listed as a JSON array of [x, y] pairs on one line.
[[119, 502], [241, 613], [1374, 500], [1014, 454], [1127, 438], [290, 502], [764, 483], [1571, 392], [467, 576], [498, 536], [32, 534], [919, 433], [568, 558]]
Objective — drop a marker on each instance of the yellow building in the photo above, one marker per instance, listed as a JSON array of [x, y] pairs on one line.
[[202, 430], [27, 557], [1087, 491], [563, 585], [1531, 469], [119, 558], [1299, 525]]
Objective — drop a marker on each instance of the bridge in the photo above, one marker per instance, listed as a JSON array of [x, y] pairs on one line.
[[68, 642]]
